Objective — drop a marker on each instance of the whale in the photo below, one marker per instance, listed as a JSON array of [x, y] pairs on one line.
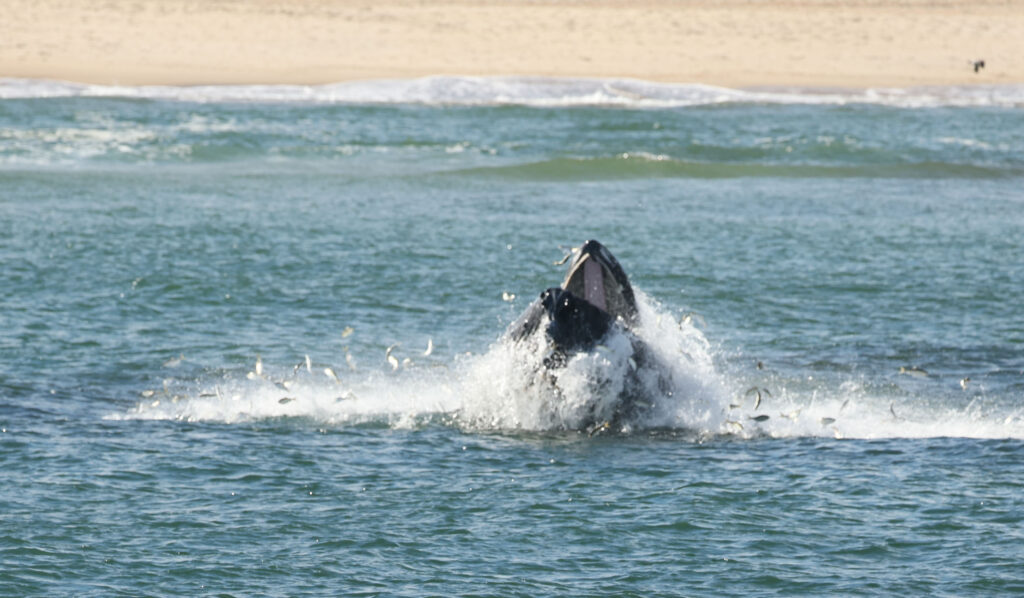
[[594, 301]]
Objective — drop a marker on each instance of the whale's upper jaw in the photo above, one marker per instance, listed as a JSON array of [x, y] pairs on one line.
[[596, 276]]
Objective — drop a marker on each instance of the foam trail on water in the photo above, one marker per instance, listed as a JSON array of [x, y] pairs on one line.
[[526, 91]]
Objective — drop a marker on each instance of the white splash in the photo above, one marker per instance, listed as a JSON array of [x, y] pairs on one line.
[[858, 409], [505, 390]]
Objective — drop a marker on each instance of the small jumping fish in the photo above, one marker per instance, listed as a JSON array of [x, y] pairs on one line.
[[760, 418], [351, 362], [825, 421], [963, 383], [347, 332], [430, 347], [565, 258], [760, 365], [259, 366], [734, 424], [508, 297], [174, 361], [692, 318], [914, 371], [391, 358], [791, 414], [632, 364], [599, 428], [892, 410], [147, 393], [757, 395], [330, 374], [285, 400], [305, 363]]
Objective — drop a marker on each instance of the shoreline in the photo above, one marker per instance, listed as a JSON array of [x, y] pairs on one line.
[[551, 93], [738, 44]]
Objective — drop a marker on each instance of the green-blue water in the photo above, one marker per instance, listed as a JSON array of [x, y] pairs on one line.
[[169, 259]]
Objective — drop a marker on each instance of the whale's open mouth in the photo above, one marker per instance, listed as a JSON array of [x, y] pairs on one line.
[[596, 276]]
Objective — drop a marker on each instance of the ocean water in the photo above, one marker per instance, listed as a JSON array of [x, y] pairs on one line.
[[251, 340]]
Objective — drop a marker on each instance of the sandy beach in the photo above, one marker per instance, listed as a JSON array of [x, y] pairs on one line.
[[734, 43]]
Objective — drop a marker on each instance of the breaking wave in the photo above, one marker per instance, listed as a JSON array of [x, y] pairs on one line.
[[528, 91]]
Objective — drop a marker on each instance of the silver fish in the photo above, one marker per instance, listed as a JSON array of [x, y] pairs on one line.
[[692, 318], [174, 361], [757, 392], [914, 371], [564, 259], [391, 358]]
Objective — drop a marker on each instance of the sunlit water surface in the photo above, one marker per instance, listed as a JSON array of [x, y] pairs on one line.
[[200, 288]]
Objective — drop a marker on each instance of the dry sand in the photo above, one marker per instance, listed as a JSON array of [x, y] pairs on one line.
[[735, 43]]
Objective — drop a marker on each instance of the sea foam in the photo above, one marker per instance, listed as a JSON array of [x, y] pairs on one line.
[[527, 91]]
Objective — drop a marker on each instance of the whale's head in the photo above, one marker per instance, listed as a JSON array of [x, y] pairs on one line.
[[575, 318], [596, 277], [595, 296]]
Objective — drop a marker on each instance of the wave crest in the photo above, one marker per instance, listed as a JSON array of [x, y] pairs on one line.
[[527, 91]]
